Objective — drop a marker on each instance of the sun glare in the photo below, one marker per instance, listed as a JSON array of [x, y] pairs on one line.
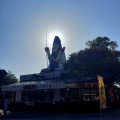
[[51, 36]]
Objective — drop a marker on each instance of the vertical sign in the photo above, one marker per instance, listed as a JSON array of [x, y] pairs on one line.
[[5, 106], [111, 94], [102, 95]]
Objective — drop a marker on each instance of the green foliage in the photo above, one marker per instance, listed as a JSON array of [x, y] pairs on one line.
[[7, 78], [102, 43], [100, 58], [3, 73]]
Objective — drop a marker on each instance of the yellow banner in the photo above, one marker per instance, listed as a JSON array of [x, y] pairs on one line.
[[102, 95]]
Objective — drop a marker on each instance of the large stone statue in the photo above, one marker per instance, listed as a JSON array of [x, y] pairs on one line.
[[56, 60], [57, 57]]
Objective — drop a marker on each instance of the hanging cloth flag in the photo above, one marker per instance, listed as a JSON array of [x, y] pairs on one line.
[[102, 94]]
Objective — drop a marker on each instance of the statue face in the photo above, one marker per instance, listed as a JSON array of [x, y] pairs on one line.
[[55, 47]]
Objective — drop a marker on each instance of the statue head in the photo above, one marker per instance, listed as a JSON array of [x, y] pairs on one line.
[[56, 44]]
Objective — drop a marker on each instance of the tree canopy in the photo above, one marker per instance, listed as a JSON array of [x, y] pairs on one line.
[[101, 57], [102, 43], [7, 78]]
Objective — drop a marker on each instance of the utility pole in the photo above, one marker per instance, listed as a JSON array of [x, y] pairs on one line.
[[46, 46]]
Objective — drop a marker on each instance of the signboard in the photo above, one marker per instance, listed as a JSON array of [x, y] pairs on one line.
[[5, 108], [29, 87], [102, 94], [111, 94], [12, 88], [50, 85], [40, 85]]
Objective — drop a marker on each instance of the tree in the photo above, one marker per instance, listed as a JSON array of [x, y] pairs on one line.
[[10, 78], [3, 73], [99, 58], [7, 78], [102, 43]]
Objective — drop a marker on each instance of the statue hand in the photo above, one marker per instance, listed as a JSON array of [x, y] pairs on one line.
[[63, 48], [47, 49]]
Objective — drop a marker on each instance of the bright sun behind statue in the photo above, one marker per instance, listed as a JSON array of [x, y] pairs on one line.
[[51, 35]]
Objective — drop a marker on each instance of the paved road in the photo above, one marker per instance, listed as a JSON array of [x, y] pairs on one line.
[[109, 115]]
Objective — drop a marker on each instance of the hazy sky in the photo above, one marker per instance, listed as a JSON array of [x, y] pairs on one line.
[[23, 29]]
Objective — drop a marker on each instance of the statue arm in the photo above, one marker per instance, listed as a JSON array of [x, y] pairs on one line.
[[58, 56]]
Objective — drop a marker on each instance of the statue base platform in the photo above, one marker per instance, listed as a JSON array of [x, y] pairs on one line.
[[43, 75], [49, 75]]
